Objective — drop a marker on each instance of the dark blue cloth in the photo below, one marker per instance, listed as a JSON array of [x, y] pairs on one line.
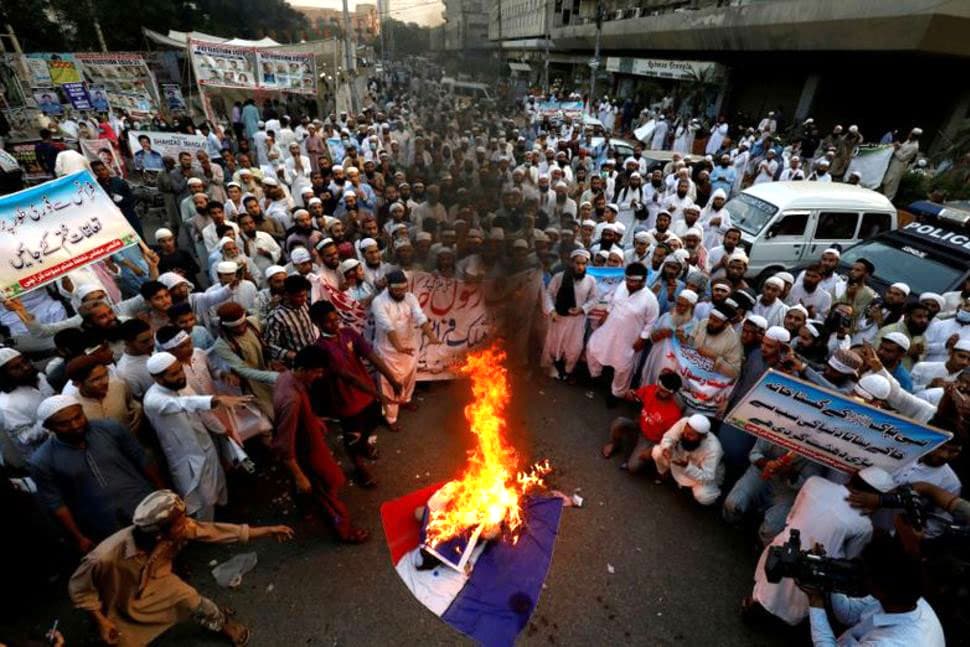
[[736, 442], [499, 598]]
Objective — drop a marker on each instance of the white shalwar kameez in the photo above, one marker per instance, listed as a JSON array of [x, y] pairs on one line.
[[822, 515], [631, 317], [704, 471], [193, 459], [405, 318], [564, 339]]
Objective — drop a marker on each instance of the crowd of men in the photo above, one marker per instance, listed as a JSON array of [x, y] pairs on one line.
[[240, 327]]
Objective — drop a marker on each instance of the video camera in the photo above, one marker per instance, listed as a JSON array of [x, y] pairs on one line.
[[913, 506], [825, 573]]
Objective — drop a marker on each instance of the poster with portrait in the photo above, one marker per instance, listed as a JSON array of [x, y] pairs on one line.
[[223, 66], [288, 72], [150, 147], [26, 155], [124, 79], [99, 97], [102, 150], [61, 69], [172, 96], [48, 102]]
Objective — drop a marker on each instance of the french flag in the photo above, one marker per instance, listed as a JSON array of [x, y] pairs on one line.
[[493, 603]]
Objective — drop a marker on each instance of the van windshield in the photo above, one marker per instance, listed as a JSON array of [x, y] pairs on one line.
[[750, 214], [916, 269]]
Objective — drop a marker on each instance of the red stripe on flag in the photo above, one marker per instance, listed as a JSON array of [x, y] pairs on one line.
[[401, 529]]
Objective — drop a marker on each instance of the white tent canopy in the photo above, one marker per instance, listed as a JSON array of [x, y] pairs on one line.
[[180, 39]]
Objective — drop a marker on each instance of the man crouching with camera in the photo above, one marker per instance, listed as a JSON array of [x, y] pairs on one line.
[[892, 613]]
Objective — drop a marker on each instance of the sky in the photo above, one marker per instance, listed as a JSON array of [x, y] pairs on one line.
[[423, 12]]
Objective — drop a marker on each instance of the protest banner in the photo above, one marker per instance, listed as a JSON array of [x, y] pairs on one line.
[[124, 78], [223, 66], [102, 149], [77, 95], [150, 147], [607, 279], [571, 109], [704, 390], [172, 96], [336, 148], [288, 72], [61, 69], [49, 230], [831, 428], [871, 163], [459, 318]]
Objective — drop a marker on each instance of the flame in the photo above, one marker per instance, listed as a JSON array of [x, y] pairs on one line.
[[489, 492]]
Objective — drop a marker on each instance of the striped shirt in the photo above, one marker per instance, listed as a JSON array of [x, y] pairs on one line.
[[288, 329]]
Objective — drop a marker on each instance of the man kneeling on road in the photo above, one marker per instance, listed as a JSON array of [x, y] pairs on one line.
[[693, 456], [659, 411]]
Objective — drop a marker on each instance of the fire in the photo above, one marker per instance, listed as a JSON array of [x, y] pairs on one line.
[[489, 492]]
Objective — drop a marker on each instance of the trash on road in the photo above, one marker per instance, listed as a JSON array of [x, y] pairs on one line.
[[230, 572]]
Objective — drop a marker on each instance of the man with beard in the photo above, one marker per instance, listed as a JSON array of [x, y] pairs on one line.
[[375, 269], [718, 256], [103, 396], [567, 300], [608, 239], [769, 305], [724, 176], [913, 326], [692, 455], [193, 460], [258, 246], [720, 291], [736, 442], [171, 258], [631, 201], [715, 220], [264, 224], [690, 216], [640, 252], [830, 282], [942, 334], [677, 203], [91, 474], [883, 312], [276, 203], [891, 350], [288, 327], [350, 392], [630, 314], [716, 339], [807, 291], [329, 262], [736, 268], [299, 234], [564, 206], [753, 330], [397, 317], [22, 389], [659, 410], [215, 211]]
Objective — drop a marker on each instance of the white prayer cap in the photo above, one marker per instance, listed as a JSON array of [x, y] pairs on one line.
[[902, 287], [641, 237], [423, 236], [613, 207], [962, 345], [588, 223], [873, 386], [719, 193], [775, 281], [810, 120], [156, 508], [692, 207], [539, 236], [519, 243], [933, 296], [300, 255], [260, 123], [611, 226], [635, 174], [235, 184], [402, 242], [323, 242], [580, 253], [800, 308], [53, 404], [544, 176], [194, 181], [158, 362], [85, 289], [824, 162], [347, 265], [757, 320], [475, 233], [605, 255], [620, 227], [681, 255], [300, 211], [699, 423], [269, 181], [227, 267], [313, 201], [853, 129], [832, 250], [349, 193], [856, 174], [337, 167], [917, 131], [245, 171], [225, 240], [399, 227], [171, 279], [273, 270], [7, 354], [786, 277], [350, 170], [877, 477], [162, 233], [695, 232], [367, 243], [897, 338], [496, 233], [689, 295], [561, 185], [778, 334]]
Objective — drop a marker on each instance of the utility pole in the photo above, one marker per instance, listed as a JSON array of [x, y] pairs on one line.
[[381, 8], [548, 6], [349, 68], [594, 64], [97, 25]]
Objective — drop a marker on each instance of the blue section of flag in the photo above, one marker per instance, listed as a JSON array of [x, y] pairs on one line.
[[496, 603]]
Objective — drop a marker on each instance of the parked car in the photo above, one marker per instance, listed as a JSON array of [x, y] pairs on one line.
[[784, 223]]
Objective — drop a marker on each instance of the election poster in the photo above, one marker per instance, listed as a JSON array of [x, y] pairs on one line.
[[25, 154], [77, 95], [124, 80], [288, 72], [99, 97], [48, 101], [51, 229], [150, 147], [830, 428], [40, 75], [223, 66], [102, 150], [172, 97], [871, 163], [61, 69]]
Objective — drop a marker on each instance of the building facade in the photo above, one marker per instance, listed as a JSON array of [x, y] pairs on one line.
[[466, 25]]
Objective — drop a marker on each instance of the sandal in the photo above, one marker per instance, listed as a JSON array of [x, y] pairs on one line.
[[237, 632], [608, 450], [355, 536]]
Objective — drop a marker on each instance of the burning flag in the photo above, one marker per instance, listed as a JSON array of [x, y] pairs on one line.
[[478, 550]]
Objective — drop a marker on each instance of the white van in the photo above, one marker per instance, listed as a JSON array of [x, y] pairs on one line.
[[466, 92], [785, 223]]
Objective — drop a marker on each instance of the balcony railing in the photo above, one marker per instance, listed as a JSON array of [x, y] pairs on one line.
[[583, 12]]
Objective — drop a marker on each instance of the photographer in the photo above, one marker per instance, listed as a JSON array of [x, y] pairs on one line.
[[894, 612]]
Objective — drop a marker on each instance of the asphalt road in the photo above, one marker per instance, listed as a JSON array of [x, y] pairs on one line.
[[679, 571]]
